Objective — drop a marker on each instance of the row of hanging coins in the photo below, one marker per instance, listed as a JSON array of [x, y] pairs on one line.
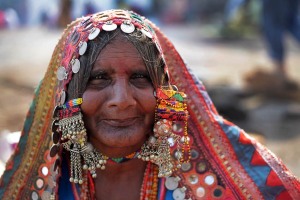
[[88, 30]]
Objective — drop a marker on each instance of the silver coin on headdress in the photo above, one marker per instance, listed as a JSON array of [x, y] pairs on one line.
[[82, 47], [127, 27], [109, 26], [146, 32], [94, 33], [61, 73], [75, 65]]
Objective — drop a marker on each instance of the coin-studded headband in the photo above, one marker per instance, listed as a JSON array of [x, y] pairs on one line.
[[88, 29]]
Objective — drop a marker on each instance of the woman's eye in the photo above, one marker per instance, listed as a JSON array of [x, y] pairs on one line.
[[99, 77], [140, 80], [98, 81], [139, 76]]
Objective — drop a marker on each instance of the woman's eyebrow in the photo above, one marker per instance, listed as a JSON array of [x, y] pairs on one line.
[[139, 71], [95, 73], [102, 68]]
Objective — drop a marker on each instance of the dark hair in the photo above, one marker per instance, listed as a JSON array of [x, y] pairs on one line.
[[145, 46]]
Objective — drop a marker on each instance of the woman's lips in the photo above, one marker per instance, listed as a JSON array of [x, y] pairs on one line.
[[120, 122]]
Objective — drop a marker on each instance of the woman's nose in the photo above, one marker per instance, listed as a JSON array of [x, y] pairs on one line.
[[122, 95]]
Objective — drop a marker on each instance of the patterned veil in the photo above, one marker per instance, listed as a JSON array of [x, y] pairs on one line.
[[226, 163]]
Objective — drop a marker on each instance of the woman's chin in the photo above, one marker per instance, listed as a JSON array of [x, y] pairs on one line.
[[118, 140]]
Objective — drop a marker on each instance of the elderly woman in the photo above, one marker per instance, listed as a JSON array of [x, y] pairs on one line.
[[108, 122]]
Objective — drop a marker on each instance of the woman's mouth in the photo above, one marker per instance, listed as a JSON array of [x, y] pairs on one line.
[[120, 122]]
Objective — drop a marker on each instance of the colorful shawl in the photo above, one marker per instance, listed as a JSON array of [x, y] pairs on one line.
[[226, 163]]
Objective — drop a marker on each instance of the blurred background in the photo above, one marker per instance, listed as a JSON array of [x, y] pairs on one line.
[[247, 56]]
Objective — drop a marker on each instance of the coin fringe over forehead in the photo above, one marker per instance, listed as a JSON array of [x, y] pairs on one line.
[[88, 29]]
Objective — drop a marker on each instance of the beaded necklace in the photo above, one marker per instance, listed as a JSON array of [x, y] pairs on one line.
[[150, 183], [123, 159]]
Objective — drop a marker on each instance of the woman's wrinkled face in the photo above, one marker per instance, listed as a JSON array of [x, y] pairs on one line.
[[118, 103]]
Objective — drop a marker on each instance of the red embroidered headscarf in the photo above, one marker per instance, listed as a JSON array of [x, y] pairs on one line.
[[225, 163]]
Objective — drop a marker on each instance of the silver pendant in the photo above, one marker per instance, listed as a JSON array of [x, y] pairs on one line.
[[109, 26], [61, 73], [75, 65], [94, 33], [171, 183], [147, 33], [179, 193], [127, 27], [82, 48]]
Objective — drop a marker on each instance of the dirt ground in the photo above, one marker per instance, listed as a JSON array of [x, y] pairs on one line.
[[25, 53]]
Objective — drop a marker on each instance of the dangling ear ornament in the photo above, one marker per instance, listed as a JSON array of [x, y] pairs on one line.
[[171, 113], [74, 140]]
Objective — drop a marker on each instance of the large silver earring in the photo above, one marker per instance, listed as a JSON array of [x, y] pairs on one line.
[[83, 156], [171, 109]]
